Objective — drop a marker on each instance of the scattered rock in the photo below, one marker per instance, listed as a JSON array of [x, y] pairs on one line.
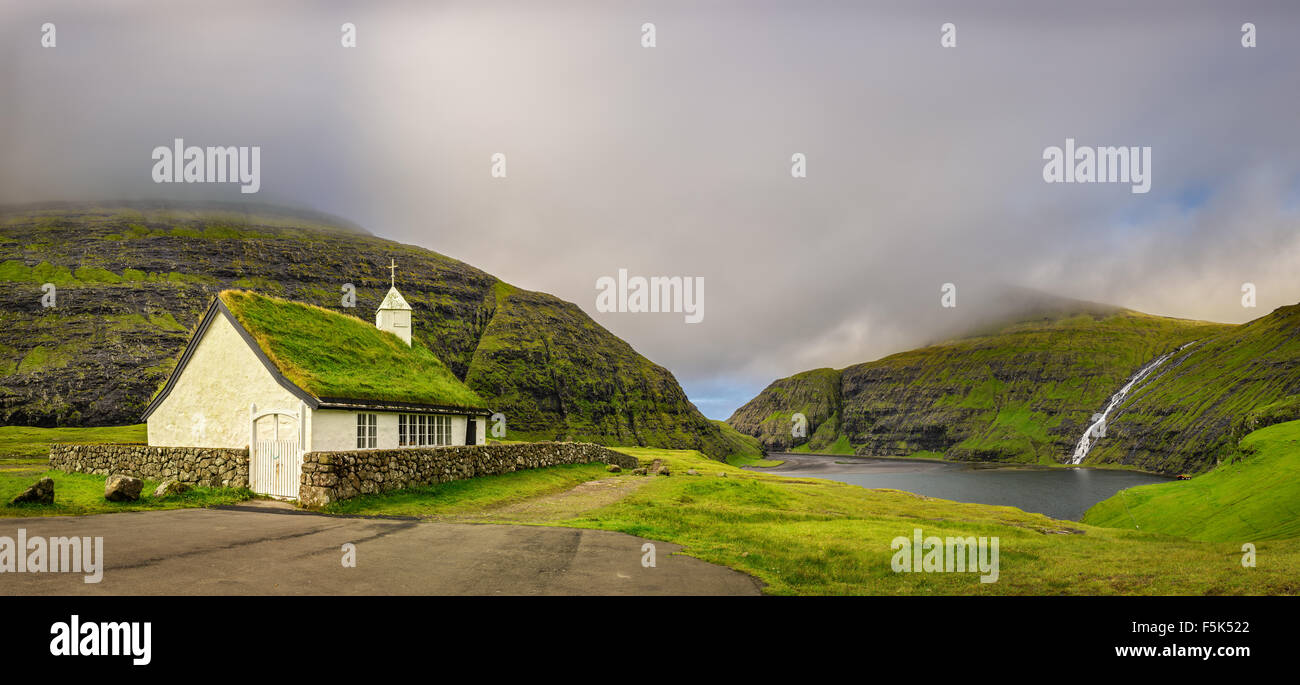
[[171, 487], [640, 472], [41, 492], [120, 488], [722, 474], [663, 471], [691, 472], [614, 468]]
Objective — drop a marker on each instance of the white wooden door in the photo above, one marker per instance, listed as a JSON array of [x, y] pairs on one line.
[[276, 468], [275, 465]]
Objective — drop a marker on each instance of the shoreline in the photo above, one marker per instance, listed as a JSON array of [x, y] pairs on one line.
[[971, 464]]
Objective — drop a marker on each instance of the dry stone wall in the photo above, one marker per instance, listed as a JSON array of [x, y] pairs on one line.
[[332, 476], [202, 466]]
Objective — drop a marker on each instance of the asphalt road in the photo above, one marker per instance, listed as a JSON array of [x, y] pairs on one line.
[[263, 550]]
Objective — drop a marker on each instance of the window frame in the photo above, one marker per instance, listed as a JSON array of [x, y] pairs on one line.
[[424, 430], [367, 431]]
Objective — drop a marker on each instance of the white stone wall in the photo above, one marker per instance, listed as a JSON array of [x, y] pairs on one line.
[[208, 407]]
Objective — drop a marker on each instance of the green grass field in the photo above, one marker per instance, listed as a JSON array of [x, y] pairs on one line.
[[77, 494], [24, 455], [27, 445], [1256, 497]]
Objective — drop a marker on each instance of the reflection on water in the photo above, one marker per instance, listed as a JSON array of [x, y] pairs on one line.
[[1063, 493]]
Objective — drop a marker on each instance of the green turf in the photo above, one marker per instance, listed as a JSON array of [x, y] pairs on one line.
[[82, 493], [339, 356], [1254, 497], [28, 445]]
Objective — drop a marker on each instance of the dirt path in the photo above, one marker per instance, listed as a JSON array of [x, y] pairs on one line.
[[587, 496]]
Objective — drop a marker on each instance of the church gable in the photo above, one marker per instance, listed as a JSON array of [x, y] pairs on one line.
[[218, 374]]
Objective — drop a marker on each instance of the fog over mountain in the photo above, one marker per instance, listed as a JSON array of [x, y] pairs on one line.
[[924, 164]]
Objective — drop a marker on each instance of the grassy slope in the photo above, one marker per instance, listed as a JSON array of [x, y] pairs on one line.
[[1023, 393], [335, 355], [768, 417], [603, 391], [1199, 404], [745, 449], [1255, 497], [813, 537]]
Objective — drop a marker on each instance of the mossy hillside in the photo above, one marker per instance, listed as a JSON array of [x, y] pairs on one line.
[[1194, 408], [333, 355], [1253, 496], [593, 387], [121, 336], [1023, 393], [815, 394], [743, 446]]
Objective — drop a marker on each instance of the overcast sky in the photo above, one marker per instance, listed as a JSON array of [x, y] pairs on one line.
[[924, 164]]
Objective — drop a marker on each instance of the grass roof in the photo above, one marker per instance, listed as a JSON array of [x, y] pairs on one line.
[[337, 356]]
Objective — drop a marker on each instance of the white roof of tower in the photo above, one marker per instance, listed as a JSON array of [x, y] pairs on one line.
[[394, 300]]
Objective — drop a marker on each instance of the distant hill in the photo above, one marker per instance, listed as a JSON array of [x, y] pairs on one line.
[[134, 278], [1024, 392], [1195, 407]]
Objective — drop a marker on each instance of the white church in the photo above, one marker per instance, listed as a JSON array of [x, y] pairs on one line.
[[282, 378]]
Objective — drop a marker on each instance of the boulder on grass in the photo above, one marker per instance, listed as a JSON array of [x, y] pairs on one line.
[[171, 487], [42, 492], [639, 472], [614, 468], [120, 488]]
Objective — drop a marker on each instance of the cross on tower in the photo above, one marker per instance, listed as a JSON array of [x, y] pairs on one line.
[[392, 268]]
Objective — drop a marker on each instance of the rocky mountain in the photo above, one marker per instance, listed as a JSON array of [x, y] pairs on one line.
[[1024, 392], [132, 280]]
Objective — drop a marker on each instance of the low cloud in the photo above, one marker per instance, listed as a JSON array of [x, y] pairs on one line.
[[924, 164]]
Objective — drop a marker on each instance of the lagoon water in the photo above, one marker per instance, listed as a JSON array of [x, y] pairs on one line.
[[1063, 493]]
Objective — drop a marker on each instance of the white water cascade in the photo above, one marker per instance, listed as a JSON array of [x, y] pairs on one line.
[[1086, 441]]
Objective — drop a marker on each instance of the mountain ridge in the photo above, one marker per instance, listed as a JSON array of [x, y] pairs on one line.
[[132, 281], [1024, 393]]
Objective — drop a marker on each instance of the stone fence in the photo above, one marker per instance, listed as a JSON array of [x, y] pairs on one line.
[[332, 476], [201, 466]]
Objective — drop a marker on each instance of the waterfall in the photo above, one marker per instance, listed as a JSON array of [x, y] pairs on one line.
[[1085, 442]]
